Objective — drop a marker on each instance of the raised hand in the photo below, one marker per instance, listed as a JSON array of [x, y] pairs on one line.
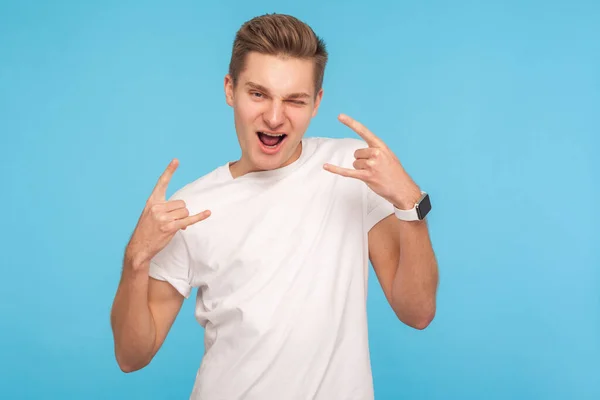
[[379, 168], [159, 222]]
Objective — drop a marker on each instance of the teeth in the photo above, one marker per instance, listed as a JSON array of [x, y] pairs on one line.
[[272, 134]]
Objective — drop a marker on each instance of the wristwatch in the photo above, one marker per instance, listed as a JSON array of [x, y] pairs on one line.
[[418, 212]]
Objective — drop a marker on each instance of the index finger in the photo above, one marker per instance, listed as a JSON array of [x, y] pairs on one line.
[[160, 190], [361, 130]]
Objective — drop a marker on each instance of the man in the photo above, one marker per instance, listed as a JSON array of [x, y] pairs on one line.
[[278, 242]]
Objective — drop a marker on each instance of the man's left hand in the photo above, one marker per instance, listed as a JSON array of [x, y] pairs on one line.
[[379, 168]]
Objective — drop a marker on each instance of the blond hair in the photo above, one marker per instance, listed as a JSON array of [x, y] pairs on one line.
[[278, 35]]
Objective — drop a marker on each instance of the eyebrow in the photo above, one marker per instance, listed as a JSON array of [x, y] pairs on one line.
[[298, 95]]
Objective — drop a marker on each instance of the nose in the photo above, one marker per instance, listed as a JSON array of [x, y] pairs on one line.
[[274, 115]]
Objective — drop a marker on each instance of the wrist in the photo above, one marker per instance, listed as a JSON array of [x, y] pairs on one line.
[[407, 199]]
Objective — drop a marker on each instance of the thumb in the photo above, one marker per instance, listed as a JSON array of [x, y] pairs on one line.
[[193, 219]]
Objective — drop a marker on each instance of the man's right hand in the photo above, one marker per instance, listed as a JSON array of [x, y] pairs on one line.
[[159, 222]]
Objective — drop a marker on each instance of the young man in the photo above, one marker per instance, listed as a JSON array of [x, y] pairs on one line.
[[278, 242]]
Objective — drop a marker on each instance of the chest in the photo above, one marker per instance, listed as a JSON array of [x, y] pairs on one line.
[[277, 238]]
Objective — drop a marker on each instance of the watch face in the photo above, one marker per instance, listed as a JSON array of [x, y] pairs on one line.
[[424, 207]]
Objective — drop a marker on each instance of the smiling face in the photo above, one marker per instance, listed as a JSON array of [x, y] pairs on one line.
[[273, 101]]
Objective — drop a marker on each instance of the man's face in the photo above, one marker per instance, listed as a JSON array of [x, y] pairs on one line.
[[273, 102]]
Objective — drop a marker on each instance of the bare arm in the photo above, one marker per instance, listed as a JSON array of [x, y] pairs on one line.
[[144, 308], [400, 251], [405, 264], [142, 315]]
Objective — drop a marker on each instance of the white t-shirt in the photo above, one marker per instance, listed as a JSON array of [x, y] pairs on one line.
[[281, 269]]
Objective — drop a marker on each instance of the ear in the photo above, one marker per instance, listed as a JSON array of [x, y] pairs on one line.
[[317, 102], [228, 86]]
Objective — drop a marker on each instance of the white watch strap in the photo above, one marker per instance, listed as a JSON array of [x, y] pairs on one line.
[[407, 215]]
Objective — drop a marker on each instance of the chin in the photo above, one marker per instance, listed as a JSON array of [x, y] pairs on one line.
[[264, 162]]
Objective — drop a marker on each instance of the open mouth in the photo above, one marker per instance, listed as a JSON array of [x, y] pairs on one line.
[[271, 140]]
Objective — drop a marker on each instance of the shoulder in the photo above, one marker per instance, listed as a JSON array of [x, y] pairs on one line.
[[338, 146], [339, 151], [195, 188]]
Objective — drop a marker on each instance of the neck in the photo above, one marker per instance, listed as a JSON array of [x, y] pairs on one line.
[[244, 166]]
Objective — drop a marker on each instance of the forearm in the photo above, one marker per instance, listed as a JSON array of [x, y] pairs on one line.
[[132, 322], [416, 279]]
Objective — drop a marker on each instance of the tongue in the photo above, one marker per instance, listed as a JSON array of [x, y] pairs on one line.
[[269, 140]]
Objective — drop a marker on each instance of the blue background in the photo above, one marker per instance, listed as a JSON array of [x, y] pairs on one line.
[[493, 108]]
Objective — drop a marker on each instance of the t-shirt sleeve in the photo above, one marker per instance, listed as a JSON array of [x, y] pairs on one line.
[[377, 208], [172, 264]]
